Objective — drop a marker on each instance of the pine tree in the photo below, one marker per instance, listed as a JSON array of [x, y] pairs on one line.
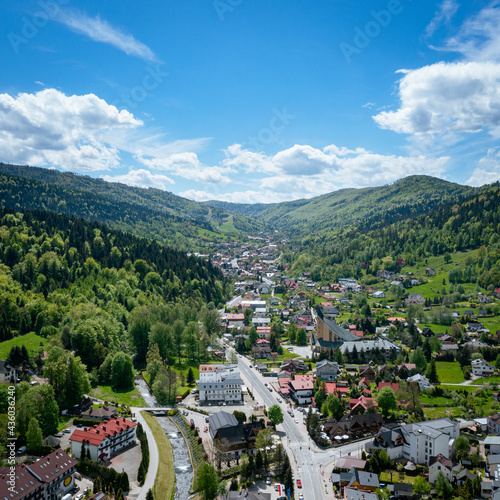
[[190, 377]]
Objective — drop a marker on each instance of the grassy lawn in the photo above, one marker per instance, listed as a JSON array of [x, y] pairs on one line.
[[106, 392], [31, 340], [385, 477], [63, 422], [487, 380], [452, 388], [165, 477], [449, 372], [432, 413]]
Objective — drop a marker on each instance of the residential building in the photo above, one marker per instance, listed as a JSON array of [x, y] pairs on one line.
[[231, 436], [438, 464], [494, 424], [421, 380], [294, 366], [99, 414], [327, 370], [345, 464], [49, 478], [492, 445], [415, 298], [7, 373], [417, 442], [301, 390], [482, 368], [354, 425], [235, 320], [379, 294], [219, 384], [105, 439]]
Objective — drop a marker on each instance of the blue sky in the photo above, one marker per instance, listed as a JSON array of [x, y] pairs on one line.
[[252, 100]]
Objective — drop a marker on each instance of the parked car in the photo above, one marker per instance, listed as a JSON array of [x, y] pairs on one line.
[[268, 480], [299, 483], [67, 431], [206, 428]]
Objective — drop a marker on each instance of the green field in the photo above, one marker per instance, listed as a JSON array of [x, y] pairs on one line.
[[32, 341], [487, 380], [106, 392], [450, 373]]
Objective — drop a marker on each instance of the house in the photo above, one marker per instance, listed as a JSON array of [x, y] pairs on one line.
[[379, 294], [449, 347], [366, 371], [354, 425], [294, 366], [301, 391], [397, 284], [361, 480], [430, 272], [99, 414], [261, 349], [362, 404], [494, 466], [482, 368], [482, 299], [329, 335], [355, 494], [474, 326], [104, 440], [393, 385], [235, 320], [49, 478], [345, 464], [231, 436], [494, 424], [219, 383], [284, 386], [327, 370], [438, 464], [341, 389], [415, 298], [417, 442], [7, 373], [421, 380], [492, 445]]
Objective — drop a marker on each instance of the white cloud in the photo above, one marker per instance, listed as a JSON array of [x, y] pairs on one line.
[[446, 11], [446, 99], [188, 166], [141, 178], [488, 170], [101, 31], [51, 128], [304, 172], [479, 36]]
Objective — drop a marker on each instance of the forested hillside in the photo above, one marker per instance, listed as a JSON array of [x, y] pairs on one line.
[[454, 227], [409, 196], [148, 212]]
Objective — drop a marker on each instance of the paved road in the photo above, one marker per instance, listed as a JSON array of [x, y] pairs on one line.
[[312, 465], [307, 465]]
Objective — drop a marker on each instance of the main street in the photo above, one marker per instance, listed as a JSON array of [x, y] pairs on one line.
[[309, 459]]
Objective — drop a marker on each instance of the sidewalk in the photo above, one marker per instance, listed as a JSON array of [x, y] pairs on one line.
[[154, 457]]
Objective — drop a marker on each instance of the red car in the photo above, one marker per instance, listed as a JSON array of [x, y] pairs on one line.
[[206, 428], [299, 483]]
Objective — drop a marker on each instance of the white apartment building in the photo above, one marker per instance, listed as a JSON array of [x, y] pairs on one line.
[[417, 442], [219, 384]]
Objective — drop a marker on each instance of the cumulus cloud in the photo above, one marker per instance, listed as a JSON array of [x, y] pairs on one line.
[[141, 178], [304, 172], [188, 166], [488, 169], [478, 38], [446, 98], [101, 31], [51, 128]]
